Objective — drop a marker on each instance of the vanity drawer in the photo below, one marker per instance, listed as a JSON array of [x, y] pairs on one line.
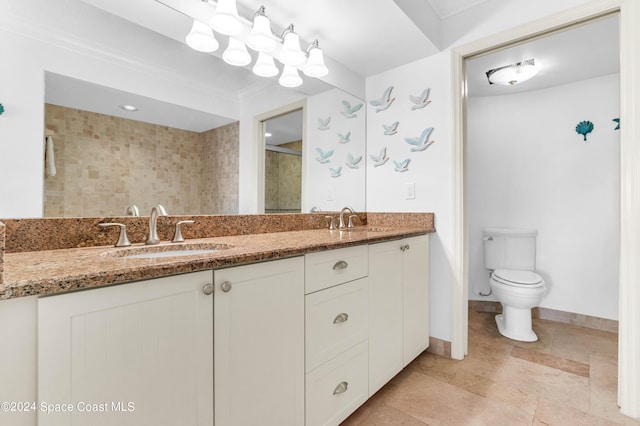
[[336, 319], [328, 268], [337, 388]]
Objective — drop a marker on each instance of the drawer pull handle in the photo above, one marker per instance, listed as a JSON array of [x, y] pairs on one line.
[[343, 317], [340, 265], [341, 388], [225, 286]]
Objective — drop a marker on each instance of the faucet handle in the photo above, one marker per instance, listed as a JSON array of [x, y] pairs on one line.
[[332, 225], [123, 240], [351, 217], [177, 236]]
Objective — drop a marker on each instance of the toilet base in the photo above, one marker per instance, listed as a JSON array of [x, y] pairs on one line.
[[523, 332]]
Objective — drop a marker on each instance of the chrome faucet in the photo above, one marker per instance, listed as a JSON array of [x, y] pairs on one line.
[[156, 211], [341, 225]]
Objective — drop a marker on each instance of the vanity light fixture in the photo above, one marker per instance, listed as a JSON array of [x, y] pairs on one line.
[[290, 77], [226, 20], [265, 66], [291, 53], [129, 108], [511, 74], [222, 17], [201, 38], [261, 39], [236, 53], [315, 66]]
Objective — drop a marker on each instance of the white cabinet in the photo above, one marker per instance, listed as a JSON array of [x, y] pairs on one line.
[[133, 354], [398, 306], [337, 329], [259, 344]]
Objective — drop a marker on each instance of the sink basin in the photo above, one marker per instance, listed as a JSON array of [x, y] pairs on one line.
[[167, 250]]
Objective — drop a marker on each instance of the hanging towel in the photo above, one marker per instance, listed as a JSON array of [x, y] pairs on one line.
[[49, 159]]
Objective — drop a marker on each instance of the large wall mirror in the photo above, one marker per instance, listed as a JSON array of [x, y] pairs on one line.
[[102, 159]]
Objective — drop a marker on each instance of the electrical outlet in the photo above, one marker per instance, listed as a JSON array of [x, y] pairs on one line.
[[410, 191]]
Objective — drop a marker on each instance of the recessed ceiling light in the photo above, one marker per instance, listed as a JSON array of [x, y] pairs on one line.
[[128, 107]]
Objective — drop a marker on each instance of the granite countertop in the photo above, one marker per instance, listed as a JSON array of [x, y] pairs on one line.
[[48, 272]]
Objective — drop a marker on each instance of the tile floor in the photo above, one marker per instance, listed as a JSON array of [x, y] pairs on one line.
[[567, 377]]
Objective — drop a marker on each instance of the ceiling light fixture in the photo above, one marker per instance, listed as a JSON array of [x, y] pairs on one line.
[[290, 77], [226, 20], [129, 108], [315, 66], [509, 75], [201, 38], [291, 53], [261, 39], [222, 17], [265, 66]]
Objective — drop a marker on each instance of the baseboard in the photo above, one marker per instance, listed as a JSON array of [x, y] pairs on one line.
[[439, 347], [581, 320]]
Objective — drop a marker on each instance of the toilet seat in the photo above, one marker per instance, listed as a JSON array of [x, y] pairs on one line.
[[515, 278]]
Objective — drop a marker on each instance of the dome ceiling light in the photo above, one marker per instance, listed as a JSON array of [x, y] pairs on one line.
[[512, 74]]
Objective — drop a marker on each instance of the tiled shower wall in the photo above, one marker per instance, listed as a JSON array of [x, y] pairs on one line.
[[283, 180], [105, 164]]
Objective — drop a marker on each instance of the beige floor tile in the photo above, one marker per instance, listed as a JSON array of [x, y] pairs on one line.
[[553, 361], [578, 343], [383, 415], [517, 398], [554, 413]]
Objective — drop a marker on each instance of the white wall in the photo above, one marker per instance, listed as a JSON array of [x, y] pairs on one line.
[[527, 167], [428, 170]]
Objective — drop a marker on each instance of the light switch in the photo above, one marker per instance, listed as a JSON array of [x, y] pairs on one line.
[[410, 190]]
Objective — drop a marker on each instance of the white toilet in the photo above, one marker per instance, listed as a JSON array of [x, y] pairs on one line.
[[510, 255]]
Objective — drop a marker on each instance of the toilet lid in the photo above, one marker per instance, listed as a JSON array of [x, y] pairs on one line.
[[513, 277]]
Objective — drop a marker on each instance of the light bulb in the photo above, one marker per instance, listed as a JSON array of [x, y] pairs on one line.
[[201, 38], [236, 53], [265, 66], [226, 20], [261, 38], [291, 53], [290, 77], [315, 66]]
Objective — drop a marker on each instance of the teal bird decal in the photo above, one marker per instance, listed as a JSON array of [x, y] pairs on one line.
[[422, 142], [391, 129], [401, 167], [420, 101], [1, 109], [344, 138], [350, 111], [323, 124], [384, 102], [323, 157], [352, 162], [337, 172], [617, 120], [584, 128], [381, 158]]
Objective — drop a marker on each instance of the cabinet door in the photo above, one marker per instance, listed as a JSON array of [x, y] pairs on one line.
[[416, 296], [385, 313], [132, 354], [259, 344]]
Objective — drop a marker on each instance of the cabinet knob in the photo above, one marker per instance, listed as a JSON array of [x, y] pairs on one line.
[[207, 289], [341, 388], [343, 317], [225, 286], [404, 247], [340, 265]]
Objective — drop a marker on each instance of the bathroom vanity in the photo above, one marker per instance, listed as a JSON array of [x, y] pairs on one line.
[[286, 328]]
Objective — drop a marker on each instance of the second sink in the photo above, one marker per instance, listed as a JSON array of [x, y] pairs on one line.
[[167, 250]]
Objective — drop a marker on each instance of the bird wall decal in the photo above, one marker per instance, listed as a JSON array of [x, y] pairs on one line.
[[384, 102], [402, 166], [344, 138], [422, 142], [352, 162], [349, 111], [381, 158], [420, 101], [337, 172], [323, 124], [323, 157], [391, 129]]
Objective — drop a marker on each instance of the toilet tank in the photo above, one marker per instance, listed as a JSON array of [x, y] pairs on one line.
[[510, 248]]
